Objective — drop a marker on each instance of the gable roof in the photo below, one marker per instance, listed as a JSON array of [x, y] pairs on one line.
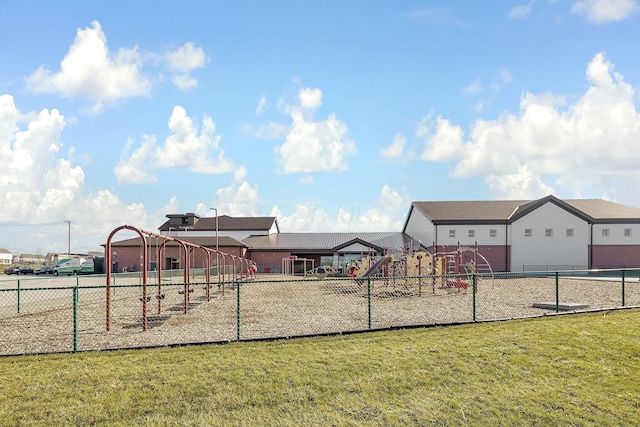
[[606, 211], [507, 211], [330, 242], [229, 223], [356, 245], [468, 211], [525, 209]]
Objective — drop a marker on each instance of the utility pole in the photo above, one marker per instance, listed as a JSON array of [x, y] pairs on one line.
[[217, 265], [68, 239]]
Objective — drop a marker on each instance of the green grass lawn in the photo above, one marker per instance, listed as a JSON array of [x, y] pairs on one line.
[[562, 370]]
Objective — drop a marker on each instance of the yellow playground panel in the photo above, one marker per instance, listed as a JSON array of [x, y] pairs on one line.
[[448, 266]]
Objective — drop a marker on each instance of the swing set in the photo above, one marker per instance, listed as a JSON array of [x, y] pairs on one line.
[[233, 269]]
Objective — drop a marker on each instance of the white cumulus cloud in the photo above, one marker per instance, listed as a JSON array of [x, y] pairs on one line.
[[521, 11], [40, 189], [182, 61], [587, 147], [396, 149], [91, 71], [240, 198], [445, 143], [187, 146], [262, 105], [473, 87], [602, 11], [314, 145], [309, 217], [136, 168]]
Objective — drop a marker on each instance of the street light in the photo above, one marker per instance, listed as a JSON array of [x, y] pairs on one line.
[[217, 265], [68, 239]]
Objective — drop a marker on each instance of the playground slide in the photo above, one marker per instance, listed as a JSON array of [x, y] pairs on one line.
[[423, 246], [377, 265]]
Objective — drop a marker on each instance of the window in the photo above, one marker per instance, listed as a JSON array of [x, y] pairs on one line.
[[472, 233], [452, 233], [548, 232], [627, 232], [569, 232], [527, 232], [493, 233], [326, 260], [605, 232]]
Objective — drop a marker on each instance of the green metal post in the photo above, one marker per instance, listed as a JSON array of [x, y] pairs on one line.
[[238, 310], [369, 301], [76, 298], [473, 284], [77, 286], [623, 288], [557, 293], [18, 296]]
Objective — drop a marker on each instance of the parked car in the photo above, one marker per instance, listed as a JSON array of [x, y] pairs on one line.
[[47, 269], [24, 270], [12, 270]]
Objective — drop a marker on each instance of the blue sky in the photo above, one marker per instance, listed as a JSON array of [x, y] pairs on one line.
[[331, 116]]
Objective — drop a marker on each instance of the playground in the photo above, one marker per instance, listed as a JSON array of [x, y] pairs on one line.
[[228, 301], [268, 308]]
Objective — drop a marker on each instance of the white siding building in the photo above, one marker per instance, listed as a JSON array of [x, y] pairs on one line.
[[6, 258], [549, 238], [525, 235]]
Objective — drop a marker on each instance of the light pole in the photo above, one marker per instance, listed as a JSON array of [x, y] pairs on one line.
[[217, 265], [68, 239]]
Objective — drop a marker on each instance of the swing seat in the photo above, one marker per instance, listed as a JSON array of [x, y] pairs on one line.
[[459, 284]]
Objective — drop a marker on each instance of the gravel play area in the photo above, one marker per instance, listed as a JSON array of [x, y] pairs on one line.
[[42, 316]]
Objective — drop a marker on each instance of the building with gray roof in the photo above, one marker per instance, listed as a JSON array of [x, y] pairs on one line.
[[544, 234], [335, 249], [513, 235]]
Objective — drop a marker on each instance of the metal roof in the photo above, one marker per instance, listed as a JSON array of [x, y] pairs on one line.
[[328, 241]]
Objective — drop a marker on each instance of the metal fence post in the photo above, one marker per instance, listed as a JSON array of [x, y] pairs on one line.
[[623, 288], [238, 310], [76, 298], [473, 284], [18, 296], [369, 301], [557, 293]]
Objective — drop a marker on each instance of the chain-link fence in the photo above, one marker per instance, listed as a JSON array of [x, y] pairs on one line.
[[66, 314]]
